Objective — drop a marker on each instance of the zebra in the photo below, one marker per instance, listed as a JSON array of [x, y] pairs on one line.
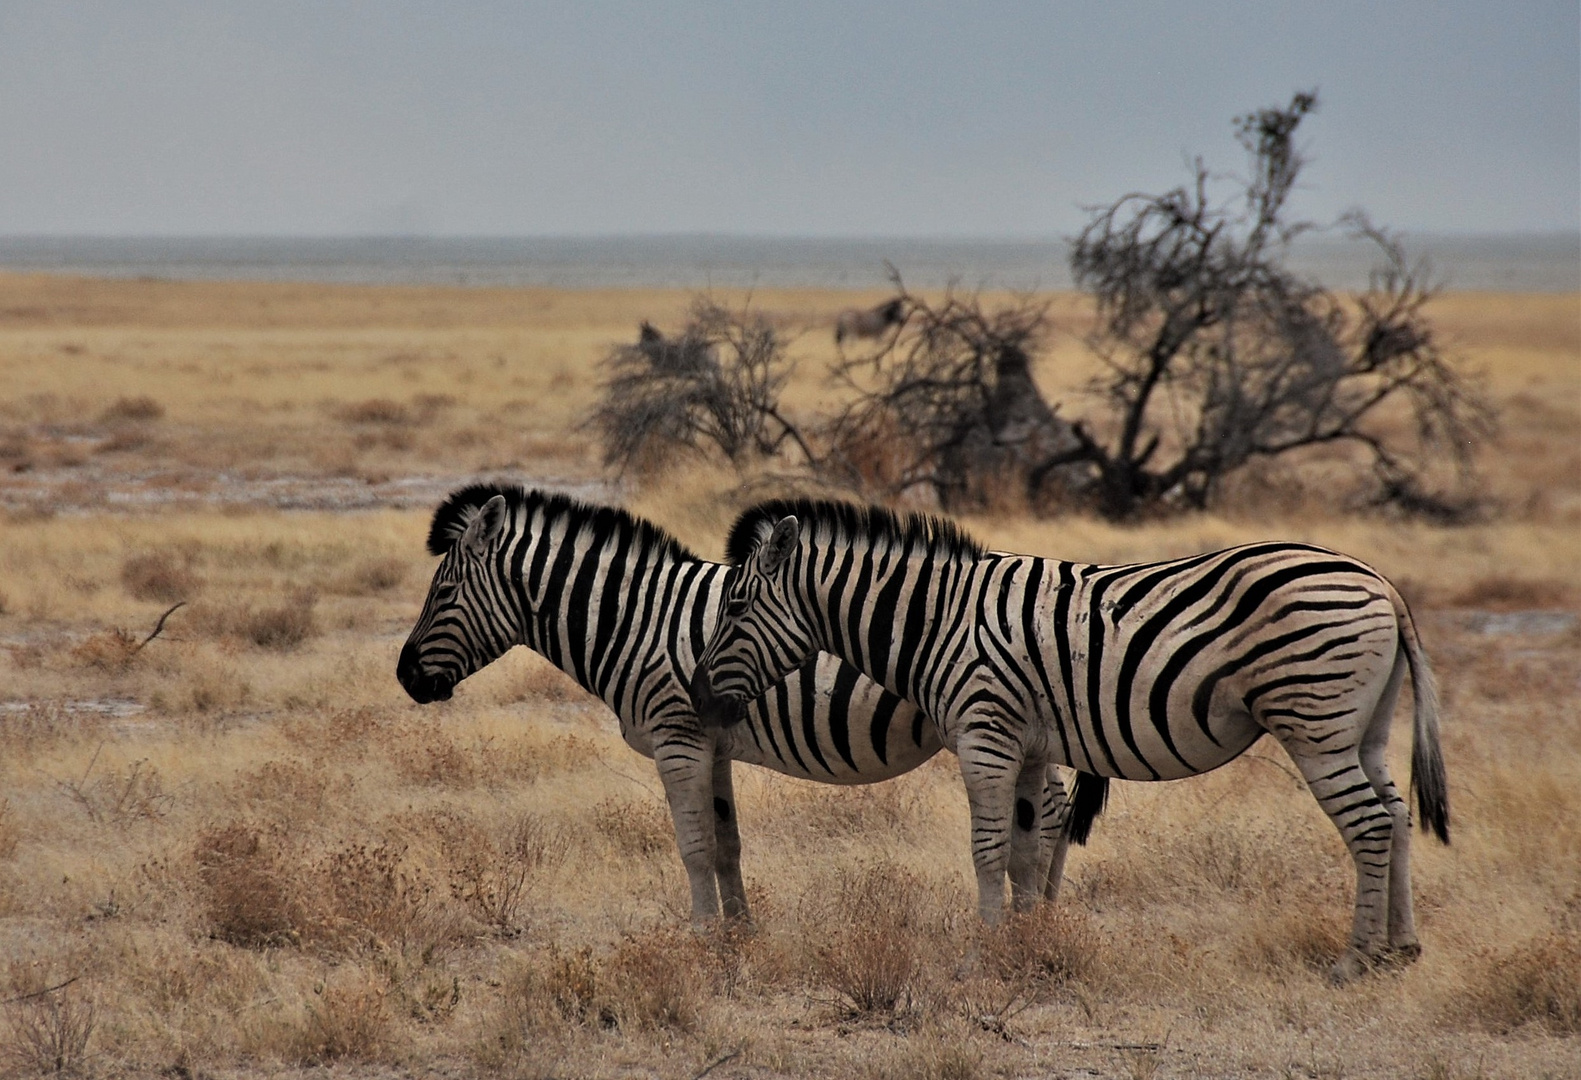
[[1150, 671], [623, 608]]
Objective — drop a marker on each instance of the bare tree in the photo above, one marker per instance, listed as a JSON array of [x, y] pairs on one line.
[[1216, 354], [718, 383], [947, 402]]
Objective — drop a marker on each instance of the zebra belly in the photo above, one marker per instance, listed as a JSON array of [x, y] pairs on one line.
[[827, 723]]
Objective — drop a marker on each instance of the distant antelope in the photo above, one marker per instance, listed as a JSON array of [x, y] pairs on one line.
[[871, 323]]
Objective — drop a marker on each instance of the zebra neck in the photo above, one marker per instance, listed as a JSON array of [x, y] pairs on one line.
[[594, 599], [891, 615]]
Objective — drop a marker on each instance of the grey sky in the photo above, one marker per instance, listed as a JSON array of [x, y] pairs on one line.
[[808, 117]]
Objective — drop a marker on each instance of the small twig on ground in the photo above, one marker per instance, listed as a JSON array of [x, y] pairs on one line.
[[712, 1065], [41, 993], [160, 625]]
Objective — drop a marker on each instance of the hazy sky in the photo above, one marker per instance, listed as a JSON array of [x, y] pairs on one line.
[[793, 117]]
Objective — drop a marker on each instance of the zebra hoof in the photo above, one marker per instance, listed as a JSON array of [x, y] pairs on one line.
[[1349, 967], [1405, 953]]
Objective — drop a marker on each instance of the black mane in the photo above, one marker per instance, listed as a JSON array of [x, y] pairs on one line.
[[841, 521], [461, 506]]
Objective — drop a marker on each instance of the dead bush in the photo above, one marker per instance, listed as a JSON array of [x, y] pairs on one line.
[[345, 732], [160, 576], [371, 900], [51, 1032], [10, 831], [1500, 591], [634, 828], [1046, 947], [298, 789], [249, 897], [867, 934], [493, 880], [1538, 983], [108, 650], [123, 409], [372, 576], [374, 411], [284, 627], [348, 1019], [656, 980], [425, 754]]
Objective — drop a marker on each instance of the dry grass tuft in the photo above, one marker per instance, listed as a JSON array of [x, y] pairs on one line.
[[370, 577], [159, 576], [1538, 983], [50, 1032], [1047, 947], [493, 880], [348, 1019], [639, 829], [141, 407], [1503, 592], [248, 896], [283, 627], [374, 411], [108, 650], [869, 932]]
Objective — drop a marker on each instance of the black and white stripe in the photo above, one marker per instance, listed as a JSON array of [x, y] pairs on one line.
[[1143, 672], [625, 609]]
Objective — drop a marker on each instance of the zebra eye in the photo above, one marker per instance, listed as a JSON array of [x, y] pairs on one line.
[[735, 608]]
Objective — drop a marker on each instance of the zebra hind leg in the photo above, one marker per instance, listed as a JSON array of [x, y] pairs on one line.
[[727, 844], [1403, 943], [1347, 796]]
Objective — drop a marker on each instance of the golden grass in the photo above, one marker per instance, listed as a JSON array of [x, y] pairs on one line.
[[242, 850]]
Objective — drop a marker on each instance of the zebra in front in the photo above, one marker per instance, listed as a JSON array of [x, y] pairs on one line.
[[624, 609], [1142, 672]]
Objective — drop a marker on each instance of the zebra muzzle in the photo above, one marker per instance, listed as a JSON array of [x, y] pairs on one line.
[[422, 687], [714, 710]]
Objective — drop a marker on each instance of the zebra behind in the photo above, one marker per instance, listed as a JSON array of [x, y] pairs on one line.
[[624, 609], [1141, 672]]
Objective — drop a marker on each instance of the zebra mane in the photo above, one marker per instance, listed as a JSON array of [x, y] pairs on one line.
[[840, 522], [460, 507]]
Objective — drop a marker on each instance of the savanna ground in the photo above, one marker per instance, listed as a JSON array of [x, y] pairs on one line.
[[239, 849]]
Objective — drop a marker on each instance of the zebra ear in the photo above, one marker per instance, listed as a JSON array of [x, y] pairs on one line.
[[781, 542], [485, 528]]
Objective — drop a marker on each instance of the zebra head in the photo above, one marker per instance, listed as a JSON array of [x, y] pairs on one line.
[[763, 632], [471, 616]]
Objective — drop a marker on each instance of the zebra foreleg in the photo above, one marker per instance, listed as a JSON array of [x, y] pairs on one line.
[[1056, 841], [727, 843], [687, 772], [991, 776], [1029, 852]]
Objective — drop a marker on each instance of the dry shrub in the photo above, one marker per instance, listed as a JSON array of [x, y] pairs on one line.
[[108, 650], [372, 576], [659, 979], [297, 788], [425, 754], [284, 627], [867, 933], [10, 830], [859, 811], [374, 411], [1538, 983], [343, 733], [248, 892], [927, 1056], [1046, 947], [119, 798], [1297, 933], [123, 409], [1500, 591], [349, 1019], [261, 890], [634, 828], [50, 1032], [493, 880], [159, 576]]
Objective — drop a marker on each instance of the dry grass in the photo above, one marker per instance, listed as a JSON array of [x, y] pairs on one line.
[[249, 852]]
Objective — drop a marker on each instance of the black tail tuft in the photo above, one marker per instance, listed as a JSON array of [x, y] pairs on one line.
[[1087, 800]]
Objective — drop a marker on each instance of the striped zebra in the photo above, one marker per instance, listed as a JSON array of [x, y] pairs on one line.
[[624, 609], [1143, 672]]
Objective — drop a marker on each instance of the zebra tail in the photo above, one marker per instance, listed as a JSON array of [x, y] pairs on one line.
[[1087, 800], [1427, 759]]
